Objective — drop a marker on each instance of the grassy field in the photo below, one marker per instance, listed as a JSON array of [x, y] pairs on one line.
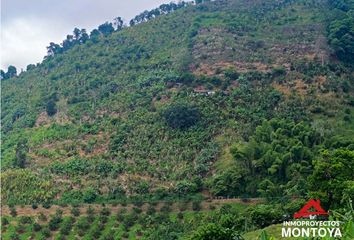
[[273, 230]]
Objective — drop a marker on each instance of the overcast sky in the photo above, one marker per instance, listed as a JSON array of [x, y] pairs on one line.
[[27, 26]]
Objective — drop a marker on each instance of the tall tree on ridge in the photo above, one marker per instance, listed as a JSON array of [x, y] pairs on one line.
[[118, 23], [11, 72]]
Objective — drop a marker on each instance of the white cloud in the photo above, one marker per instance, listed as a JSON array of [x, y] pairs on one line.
[[24, 41], [27, 27]]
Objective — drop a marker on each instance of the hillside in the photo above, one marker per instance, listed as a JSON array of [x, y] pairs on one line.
[[228, 98]]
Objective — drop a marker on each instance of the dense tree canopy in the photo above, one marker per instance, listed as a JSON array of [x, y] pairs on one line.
[[341, 37], [106, 28], [181, 116], [51, 108], [11, 72], [21, 153], [333, 178]]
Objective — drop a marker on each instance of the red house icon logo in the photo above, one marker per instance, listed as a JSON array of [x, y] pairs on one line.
[[305, 211]]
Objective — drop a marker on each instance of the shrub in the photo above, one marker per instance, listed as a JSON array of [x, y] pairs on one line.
[[124, 202], [278, 71], [60, 237], [20, 228], [34, 206], [81, 232], [96, 233], [90, 214], [21, 152], [105, 212], [347, 118], [121, 214], [129, 220], [91, 218], [90, 211], [265, 215], [142, 218], [13, 211], [153, 203], [75, 211], [185, 187], [317, 109], [137, 210], [181, 115], [142, 187], [41, 237], [103, 219], [54, 223], [83, 224], [46, 232], [294, 206], [109, 235], [182, 206], [231, 74], [90, 195], [4, 221], [138, 202], [14, 236], [42, 217], [66, 227], [46, 205], [101, 226], [25, 220], [151, 210], [165, 208], [62, 204], [36, 227], [225, 209], [51, 108], [161, 217], [125, 235], [212, 207], [59, 212], [196, 206]]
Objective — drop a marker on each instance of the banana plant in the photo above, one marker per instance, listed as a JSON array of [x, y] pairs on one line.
[[348, 221]]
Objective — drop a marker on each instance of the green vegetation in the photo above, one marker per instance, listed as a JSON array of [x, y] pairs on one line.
[[29, 188], [11, 72], [227, 222], [219, 99], [181, 116], [341, 31]]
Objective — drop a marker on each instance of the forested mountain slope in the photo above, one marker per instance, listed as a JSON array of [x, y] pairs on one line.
[[229, 98]]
